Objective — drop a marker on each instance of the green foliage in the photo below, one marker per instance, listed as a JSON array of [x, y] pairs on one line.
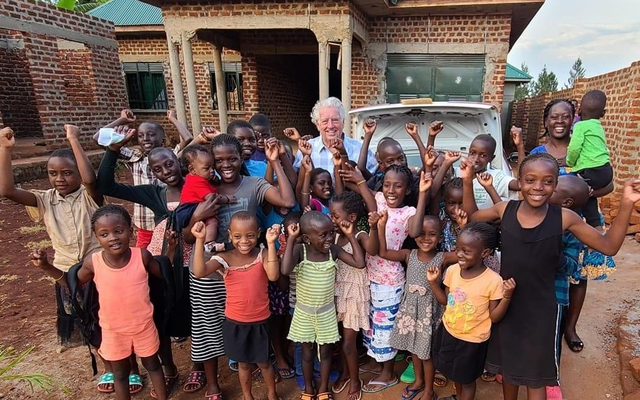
[[81, 6], [547, 82], [523, 90], [576, 72], [9, 359]]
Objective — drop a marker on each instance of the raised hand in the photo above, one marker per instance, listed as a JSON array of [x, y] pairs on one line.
[[39, 258], [349, 173], [384, 217], [338, 145], [307, 137], [304, 147], [631, 190], [198, 230], [7, 139], [307, 164], [425, 182], [271, 149], [508, 287], [281, 149], [485, 179], [452, 156], [293, 230], [209, 132], [306, 209], [370, 126], [272, 233], [292, 134], [374, 217], [516, 136], [335, 157], [73, 132], [460, 217], [412, 129], [128, 134], [433, 273], [346, 227], [171, 114], [466, 170], [435, 128], [127, 116], [430, 156]]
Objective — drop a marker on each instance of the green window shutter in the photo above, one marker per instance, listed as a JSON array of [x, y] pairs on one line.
[[145, 84]]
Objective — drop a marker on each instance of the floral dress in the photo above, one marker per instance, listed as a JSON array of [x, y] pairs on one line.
[[352, 293], [420, 313]]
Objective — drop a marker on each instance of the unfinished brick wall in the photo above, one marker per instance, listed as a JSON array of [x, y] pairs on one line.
[[71, 82], [621, 122], [257, 7], [17, 97]]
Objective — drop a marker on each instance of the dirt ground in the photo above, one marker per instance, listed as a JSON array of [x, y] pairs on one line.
[[27, 315]]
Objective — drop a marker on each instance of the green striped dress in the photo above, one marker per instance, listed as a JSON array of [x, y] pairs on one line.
[[314, 317]]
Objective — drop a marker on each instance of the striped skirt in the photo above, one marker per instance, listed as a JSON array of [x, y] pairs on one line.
[[385, 303], [207, 298]]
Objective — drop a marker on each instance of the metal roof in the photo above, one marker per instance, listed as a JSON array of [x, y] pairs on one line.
[[514, 74], [128, 13]]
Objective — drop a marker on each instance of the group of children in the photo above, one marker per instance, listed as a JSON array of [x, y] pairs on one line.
[[436, 263]]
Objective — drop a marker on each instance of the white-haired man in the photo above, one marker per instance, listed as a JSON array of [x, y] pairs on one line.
[[328, 116]]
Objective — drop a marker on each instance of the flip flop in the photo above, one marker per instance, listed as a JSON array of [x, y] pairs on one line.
[[196, 378], [215, 396], [106, 379], [233, 365], [488, 376], [285, 373], [135, 384], [363, 370], [357, 395], [409, 394], [440, 380], [338, 389], [409, 374], [574, 345], [382, 385], [554, 393], [169, 381]]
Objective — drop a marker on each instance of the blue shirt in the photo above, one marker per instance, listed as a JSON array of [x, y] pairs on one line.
[[562, 171], [256, 168], [568, 266]]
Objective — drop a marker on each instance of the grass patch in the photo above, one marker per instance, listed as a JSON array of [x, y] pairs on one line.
[[31, 230], [38, 245]]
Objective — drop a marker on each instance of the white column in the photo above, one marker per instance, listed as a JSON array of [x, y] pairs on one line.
[[323, 62], [221, 88], [192, 88], [345, 53], [176, 80]]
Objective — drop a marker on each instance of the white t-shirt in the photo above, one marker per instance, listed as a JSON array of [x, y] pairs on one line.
[[500, 182]]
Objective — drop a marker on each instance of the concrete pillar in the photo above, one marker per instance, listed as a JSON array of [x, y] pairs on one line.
[[221, 88], [345, 54], [192, 88], [176, 80], [323, 63]]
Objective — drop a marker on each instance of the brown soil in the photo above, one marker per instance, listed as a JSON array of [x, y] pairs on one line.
[[27, 312]]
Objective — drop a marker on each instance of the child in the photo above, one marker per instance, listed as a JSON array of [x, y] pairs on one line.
[[314, 318], [587, 154], [245, 332], [121, 275], [317, 187], [531, 249], [475, 297], [419, 313], [262, 127], [352, 288], [197, 186]]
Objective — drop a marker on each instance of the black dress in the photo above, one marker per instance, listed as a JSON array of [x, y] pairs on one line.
[[523, 345]]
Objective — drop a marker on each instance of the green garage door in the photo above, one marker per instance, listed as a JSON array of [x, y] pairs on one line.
[[442, 77]]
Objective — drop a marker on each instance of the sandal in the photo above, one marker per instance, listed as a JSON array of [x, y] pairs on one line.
[[233, 365], [197, 379], [135, 384], [106, 379], [375, 386], [307, 396], [285, 373], [574, 345], [357, 395], [169, 381], [215, 396], [324, 396], [409, 394], [488, 376], [440, 380], [338, 388]]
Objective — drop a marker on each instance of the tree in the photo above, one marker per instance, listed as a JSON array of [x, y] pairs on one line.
[[523, 89], [576, 72], [547, 82], [81, 6]]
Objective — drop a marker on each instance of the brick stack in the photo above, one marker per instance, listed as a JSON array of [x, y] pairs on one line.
[[609, 207]]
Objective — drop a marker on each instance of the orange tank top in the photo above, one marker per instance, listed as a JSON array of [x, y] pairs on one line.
[[247, 296], [123, 294]]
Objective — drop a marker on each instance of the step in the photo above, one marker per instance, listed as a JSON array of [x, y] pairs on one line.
[[28, 169]]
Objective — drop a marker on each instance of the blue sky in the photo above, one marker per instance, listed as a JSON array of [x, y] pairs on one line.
[[605, 34]]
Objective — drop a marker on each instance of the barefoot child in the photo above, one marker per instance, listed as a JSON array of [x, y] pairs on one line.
[[121, 275], [245, 331], [475, 297], [314, 318]]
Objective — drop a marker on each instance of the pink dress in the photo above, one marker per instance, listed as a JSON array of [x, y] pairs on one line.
[[352, 293]]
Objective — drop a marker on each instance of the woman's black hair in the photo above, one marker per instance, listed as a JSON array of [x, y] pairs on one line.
[[547, 110], [402, 170], [488, 234], [226, 139], [453, 183], [110, 209], [317, 172], [64, 153], [536, 157]]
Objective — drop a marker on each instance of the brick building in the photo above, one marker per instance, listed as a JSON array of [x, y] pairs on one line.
[[57, 67], [221, 60]]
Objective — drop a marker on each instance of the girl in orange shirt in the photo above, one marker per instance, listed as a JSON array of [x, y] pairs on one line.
[[121, 275]]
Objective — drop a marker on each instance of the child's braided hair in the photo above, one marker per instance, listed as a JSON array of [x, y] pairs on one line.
[[536, 157], [400, 169], [353, 203], [110, 209], [453, 183], [487, 234], [224, 139]]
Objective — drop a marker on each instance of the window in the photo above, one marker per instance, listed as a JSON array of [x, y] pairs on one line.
[[442, 77], [145, 86], [233, 79]]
